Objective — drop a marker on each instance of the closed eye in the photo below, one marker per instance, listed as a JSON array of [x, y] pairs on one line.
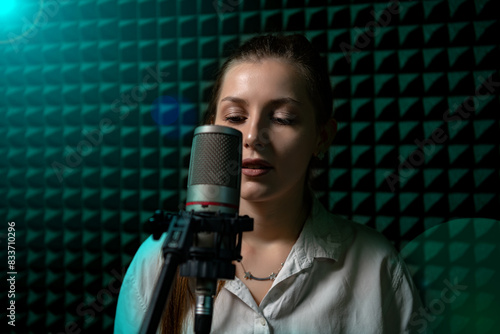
[[282, 121], [235, 119]]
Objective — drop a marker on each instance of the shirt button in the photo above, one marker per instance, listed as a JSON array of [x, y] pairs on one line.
[[262, 321]]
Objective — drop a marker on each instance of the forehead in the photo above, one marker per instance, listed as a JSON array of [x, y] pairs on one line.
[[266, 77]]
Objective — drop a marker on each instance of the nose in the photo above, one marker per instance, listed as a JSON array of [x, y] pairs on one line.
[[256, 136]]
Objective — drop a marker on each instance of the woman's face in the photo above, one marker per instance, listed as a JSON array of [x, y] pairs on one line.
[[269, 103]]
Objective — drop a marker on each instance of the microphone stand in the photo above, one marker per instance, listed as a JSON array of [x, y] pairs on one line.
[[180, 249]]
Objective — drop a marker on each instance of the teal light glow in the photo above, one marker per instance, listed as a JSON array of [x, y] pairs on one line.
[[7, 6]]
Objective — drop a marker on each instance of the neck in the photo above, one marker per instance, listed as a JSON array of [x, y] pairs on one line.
[[276, 221]]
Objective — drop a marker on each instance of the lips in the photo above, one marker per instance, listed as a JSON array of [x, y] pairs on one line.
[[255, 167], [255, 163]]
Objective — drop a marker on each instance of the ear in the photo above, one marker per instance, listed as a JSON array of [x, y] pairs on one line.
[[326, 135]]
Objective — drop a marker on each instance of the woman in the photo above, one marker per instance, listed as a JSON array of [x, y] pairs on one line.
[[304, 270]]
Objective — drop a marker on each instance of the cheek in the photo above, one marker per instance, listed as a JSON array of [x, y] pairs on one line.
[[295, 151]]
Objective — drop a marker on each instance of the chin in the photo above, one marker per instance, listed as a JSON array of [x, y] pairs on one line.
[[255, 192]]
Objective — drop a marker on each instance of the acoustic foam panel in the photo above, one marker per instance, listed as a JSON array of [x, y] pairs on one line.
[[99, 99]]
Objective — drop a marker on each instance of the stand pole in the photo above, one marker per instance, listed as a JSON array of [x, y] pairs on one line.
[[160, 294], [204, 264]]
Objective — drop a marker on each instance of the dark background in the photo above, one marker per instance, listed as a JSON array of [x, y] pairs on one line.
[[99, 99]]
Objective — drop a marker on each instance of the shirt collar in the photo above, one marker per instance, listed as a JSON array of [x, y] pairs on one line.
[[324, 235]]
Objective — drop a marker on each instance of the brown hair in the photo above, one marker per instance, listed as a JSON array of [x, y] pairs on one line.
[[180, 299], [179, 303], [296, 50]]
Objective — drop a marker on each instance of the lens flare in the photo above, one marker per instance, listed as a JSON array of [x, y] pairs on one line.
[[7, 6]]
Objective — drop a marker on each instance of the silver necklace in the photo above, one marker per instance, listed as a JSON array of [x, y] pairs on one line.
[[272, 277]]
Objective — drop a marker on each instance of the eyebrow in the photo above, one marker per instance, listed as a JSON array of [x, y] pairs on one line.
[[279, 101]]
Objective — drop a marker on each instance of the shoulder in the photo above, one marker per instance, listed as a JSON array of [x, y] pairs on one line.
[[369, 253], [146, 265], [149, 253], [137, 286], [354, 244], [367, 244], [337, 235], [379, 265], [371, 239], [372, 251]]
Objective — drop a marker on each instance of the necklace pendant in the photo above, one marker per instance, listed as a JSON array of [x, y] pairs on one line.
[[248, 275]]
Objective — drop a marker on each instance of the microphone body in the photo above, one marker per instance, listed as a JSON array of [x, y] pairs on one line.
[[215, 170], [213, 189]]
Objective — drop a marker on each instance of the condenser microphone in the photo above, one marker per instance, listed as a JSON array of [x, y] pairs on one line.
[[213, 189], [214, 170]]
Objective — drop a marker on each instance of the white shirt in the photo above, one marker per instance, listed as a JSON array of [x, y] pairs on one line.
[[340, 277]]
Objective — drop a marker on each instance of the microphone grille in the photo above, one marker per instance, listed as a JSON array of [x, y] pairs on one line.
[[215, 159]]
